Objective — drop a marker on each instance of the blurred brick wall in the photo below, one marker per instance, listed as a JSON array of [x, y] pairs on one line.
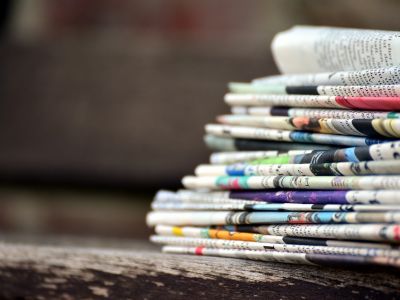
[[118, 92]]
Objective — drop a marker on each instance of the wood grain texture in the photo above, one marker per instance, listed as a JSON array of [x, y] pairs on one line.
[[138, 271]]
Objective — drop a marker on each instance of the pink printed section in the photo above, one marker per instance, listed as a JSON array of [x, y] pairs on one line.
[[396, 231], [199, 250], [370, 103]]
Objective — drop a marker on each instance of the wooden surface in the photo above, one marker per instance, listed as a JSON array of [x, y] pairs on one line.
[[128, 270]]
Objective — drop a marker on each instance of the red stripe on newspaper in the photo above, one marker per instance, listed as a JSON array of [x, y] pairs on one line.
[[199, 250], [374, 103], [396, 231]]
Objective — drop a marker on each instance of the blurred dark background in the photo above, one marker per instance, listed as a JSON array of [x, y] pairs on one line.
[[104, 102]]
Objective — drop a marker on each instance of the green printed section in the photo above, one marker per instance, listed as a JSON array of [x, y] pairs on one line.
[[258, 238], [247, 88], [232, 182], [393, 115], [204, 233], [282, 159]]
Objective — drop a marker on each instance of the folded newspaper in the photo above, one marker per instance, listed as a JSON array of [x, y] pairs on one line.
[[307, 165]]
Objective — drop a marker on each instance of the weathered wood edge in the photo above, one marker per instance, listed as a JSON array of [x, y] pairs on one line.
[[65, 272]]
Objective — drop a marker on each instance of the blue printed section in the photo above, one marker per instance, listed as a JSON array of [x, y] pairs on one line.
[[338, 140], [296, 217], [236, 170], [269, 217], [302, 137], [369, 141], [322, 217], [350, 155], [269, 206]]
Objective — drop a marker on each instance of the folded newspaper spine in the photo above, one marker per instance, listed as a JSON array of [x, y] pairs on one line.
[[307, 165]]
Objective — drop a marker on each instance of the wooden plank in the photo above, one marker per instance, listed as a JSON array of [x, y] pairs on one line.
[[139, 270]]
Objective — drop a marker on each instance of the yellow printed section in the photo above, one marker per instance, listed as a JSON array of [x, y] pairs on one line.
[[231, 235], [325, 127], [177, 231], [381, 128], [387, 127]]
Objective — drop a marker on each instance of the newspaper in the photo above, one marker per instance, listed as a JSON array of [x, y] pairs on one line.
[[378, 152], [386, 167], [237, 156], [219, 143], [329, 90], [361, 236], [288, 257], [388, 182], [379, 128], [176, 206], [290, 135], [313, 112], [207, 218], [380, 76], [383, 197], [310, 49], [244, 245], [370, 232], [338, 102]]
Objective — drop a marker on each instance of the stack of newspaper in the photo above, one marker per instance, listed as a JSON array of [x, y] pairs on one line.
[[309, 168]]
